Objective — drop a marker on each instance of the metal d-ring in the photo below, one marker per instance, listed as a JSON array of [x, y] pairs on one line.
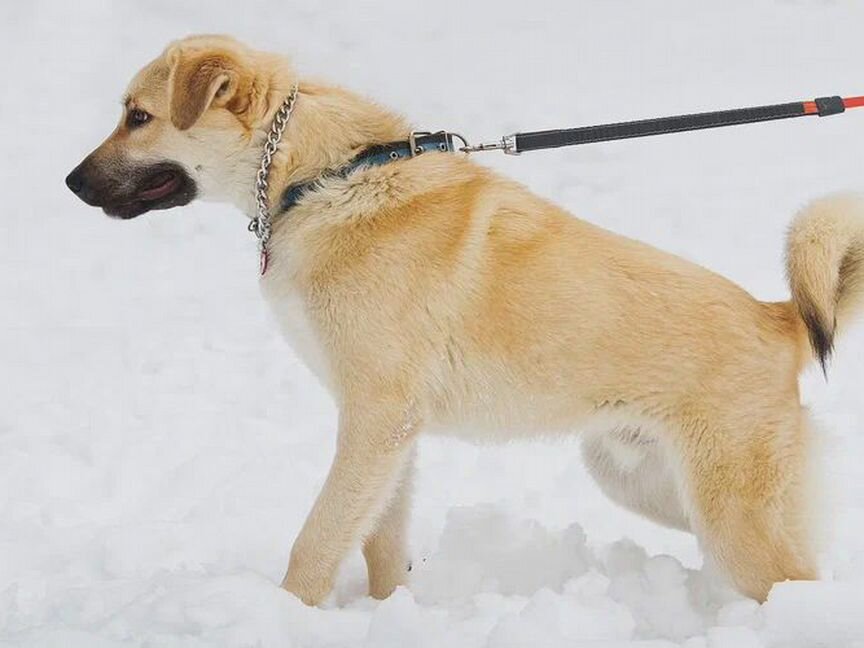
[[465, 145]]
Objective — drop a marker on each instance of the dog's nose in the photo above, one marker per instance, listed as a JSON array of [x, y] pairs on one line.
[[75, 181]]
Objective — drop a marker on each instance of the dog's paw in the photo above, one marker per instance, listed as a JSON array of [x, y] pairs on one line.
[[312, 591]]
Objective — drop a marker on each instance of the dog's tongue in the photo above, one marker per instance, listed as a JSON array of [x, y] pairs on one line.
[[160, 186]]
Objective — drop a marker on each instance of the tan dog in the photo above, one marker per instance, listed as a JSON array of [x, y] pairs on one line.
[[431, 294]]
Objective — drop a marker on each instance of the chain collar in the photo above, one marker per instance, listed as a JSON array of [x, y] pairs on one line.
[[260, 225]]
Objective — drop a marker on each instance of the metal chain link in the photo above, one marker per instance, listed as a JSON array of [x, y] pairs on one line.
[[260, 225]]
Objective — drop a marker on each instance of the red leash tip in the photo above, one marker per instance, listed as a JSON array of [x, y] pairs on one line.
[[811, 108], [854, 102]]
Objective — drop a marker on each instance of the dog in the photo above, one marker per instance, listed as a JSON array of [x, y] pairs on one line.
[[432, 295]]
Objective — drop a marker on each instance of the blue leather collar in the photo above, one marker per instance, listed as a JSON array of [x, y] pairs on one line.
[[380, 154]]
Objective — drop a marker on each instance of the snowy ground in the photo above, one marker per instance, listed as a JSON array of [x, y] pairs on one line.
[[160, 445]]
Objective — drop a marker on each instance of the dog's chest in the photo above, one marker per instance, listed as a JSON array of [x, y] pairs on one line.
[[293, 317]]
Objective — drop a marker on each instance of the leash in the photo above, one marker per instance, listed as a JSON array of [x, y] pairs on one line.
[[537, 140], [420, 142]]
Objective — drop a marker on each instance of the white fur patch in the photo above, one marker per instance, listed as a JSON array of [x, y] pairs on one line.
[[292, 315], [636, 469]]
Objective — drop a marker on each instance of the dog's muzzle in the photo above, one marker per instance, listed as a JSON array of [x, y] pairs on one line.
[[129, 190]]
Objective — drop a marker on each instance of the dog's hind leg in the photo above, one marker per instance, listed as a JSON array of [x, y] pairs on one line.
[[749, 490], [385, 549]]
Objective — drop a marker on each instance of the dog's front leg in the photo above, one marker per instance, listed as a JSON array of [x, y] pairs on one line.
[[373, 448], [385, 549]]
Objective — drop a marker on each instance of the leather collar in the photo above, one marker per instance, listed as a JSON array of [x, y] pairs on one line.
[[378, 155]]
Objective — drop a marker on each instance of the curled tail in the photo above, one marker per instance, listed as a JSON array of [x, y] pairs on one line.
[[825, 267]]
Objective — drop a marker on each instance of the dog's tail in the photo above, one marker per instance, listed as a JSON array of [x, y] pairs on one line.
[[825, 267]]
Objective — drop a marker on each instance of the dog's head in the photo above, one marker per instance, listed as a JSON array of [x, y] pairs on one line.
[[186, 130]]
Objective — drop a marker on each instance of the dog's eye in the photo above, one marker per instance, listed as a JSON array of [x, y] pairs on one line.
[[138, 117]]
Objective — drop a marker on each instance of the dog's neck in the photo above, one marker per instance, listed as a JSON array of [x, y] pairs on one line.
[[329, 127]]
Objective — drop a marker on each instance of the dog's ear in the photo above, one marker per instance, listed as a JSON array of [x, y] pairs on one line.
[[200, 80]]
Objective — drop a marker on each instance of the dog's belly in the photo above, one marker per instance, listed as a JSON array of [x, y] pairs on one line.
[[636, 469], [625, 453]]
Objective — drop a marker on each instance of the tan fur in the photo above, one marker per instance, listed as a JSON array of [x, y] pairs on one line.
[[433, 295], [825, 265]]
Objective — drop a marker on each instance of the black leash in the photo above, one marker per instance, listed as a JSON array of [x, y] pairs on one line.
[[420, 142], [537, 140]]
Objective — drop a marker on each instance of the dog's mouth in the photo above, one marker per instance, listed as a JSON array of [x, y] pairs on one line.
[[162, 186]]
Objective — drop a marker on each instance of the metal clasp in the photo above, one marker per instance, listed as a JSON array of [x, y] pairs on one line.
[[506, 144]]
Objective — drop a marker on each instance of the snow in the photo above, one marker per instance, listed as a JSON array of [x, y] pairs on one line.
[[160, 445]]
